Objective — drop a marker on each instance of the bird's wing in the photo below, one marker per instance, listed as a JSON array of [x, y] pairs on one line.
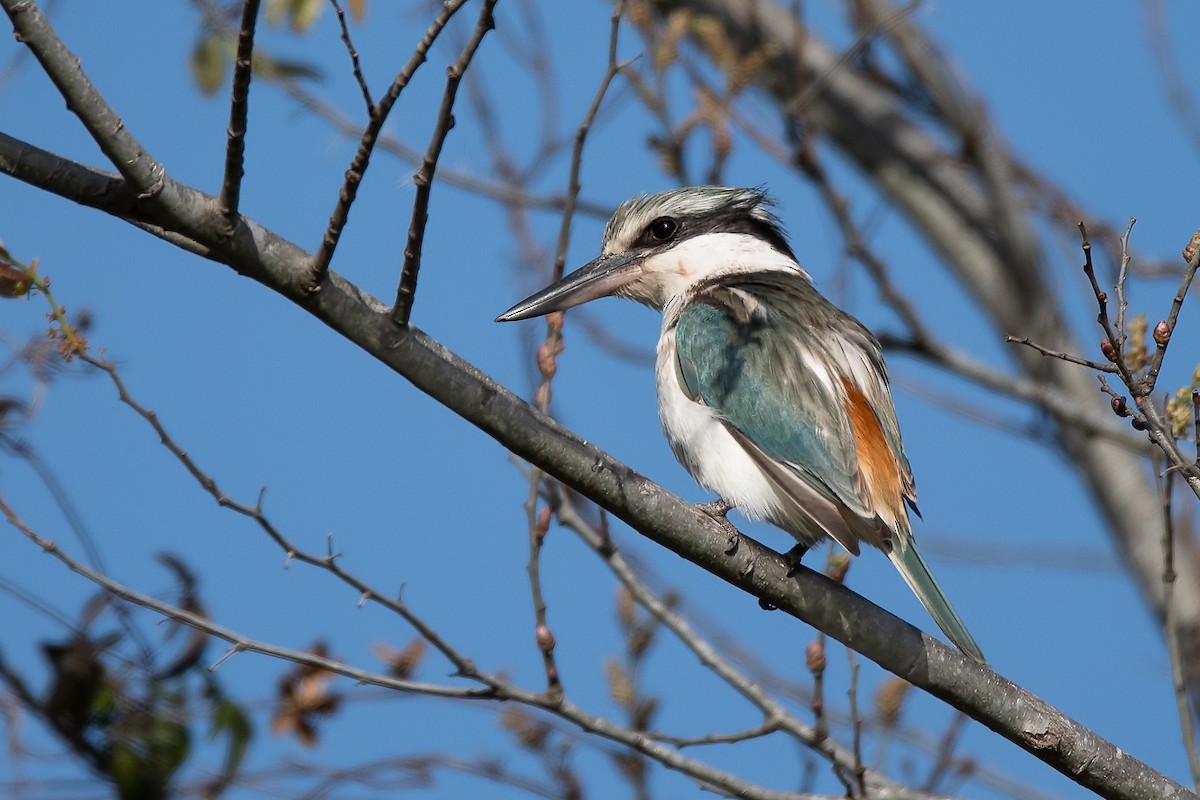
[[802, 387]]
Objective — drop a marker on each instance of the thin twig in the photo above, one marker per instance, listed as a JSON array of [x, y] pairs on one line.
[[491, 190], [573, 185], [406, 290], [319, 266], [815, 656], [1196, 426], [329, 562], [1181, 294], [1051, 353], [1119, 287], [757, 732], [1163, 482], [356, 67], [539, 525], [238, 642], [856, 787], [1115, 338], [239, 110], [945, 762], [548, 354]]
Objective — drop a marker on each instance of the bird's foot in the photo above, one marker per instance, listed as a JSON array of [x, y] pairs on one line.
[[793, 556], [718, 509]]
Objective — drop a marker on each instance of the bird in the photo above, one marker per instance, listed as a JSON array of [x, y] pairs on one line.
[[769, 395]]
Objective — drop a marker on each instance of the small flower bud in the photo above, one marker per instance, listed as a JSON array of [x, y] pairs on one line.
[[814, 657], [889, 700], [1109, 350], [1138, 424], [1189, 252], [1120, 407], [547, 355], [626, 613], [545, 638], [1162, 333], [1102, 296]]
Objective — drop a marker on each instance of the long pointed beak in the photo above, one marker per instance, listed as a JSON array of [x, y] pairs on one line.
[[598, 278]]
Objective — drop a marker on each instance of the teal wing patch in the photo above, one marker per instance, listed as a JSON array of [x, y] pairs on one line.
[[749, 365]]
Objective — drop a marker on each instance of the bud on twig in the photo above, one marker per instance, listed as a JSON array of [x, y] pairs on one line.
[[1189, 252], [545, 638], [547, 355], [1162, 333], [1138, 424], [889, 699], [1109, 350], [814, 657], [1120, 407]]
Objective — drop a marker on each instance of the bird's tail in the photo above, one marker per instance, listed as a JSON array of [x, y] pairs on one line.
[[918, 577]]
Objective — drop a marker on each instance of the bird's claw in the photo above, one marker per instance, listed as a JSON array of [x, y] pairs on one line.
[[793, 556], [717, 508]]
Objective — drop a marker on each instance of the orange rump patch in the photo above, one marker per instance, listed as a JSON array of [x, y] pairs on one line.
[[875, 456]]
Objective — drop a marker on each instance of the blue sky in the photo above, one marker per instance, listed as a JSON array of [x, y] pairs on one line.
[[261, 394]]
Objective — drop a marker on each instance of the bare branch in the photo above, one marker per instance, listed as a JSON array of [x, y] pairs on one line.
[[1164, 482], [238, 642], [366, 145], [353, 52], [1050, 352], [147, 177], [504, 192], [329, 562], [547, 365], [406, 291], [239, 109]]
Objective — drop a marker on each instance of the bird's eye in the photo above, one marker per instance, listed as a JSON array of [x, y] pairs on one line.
[[663, 228]]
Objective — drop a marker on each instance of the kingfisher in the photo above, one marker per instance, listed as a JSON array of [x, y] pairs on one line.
[[770, 396]]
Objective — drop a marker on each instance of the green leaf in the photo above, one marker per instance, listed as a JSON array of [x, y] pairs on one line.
[[13, 282], [125, 767], [209, 60], [303, 13], [230, 719], [266, 67], [169, 743]]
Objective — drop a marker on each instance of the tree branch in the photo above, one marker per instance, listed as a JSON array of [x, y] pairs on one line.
[[366, 145], [407, 288], [31, 27], [239, 110]]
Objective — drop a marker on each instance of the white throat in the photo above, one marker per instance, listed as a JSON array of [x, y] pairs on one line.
[[669, 275]]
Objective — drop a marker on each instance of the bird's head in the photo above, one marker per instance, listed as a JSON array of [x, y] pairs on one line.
[[657, 246]]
